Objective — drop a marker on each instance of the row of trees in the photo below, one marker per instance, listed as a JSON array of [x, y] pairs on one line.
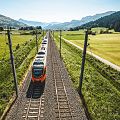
[[24, 28], [30, 28], [1, 28]]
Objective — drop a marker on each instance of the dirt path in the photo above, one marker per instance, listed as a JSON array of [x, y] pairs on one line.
[[96, 56]]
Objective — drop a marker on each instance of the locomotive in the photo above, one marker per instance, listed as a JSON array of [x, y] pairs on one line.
[[39, 63]]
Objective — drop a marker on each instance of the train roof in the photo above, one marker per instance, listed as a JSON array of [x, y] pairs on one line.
[[39, 59]]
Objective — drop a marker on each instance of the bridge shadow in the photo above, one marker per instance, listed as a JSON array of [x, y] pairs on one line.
[[35, 90]]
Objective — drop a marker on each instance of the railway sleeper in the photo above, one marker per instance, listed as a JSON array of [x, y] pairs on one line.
[[63, 110], [64, 115], [62, 100]]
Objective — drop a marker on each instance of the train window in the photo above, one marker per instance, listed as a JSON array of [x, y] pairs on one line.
[[44, 43], [38, 63], [40, 57], [37, 72], [42, 53], [42, 48]]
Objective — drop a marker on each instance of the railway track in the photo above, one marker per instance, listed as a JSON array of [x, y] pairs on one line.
[[63, 109], [55, 100], [34, 108]]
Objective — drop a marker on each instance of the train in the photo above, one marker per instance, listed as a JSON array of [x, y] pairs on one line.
[[39, 63]]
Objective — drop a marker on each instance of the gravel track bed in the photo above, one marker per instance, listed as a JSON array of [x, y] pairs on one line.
[[16, 110], [73, 97], [50, 103]]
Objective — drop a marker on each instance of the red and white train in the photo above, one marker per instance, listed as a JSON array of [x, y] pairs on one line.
[[39, 63]]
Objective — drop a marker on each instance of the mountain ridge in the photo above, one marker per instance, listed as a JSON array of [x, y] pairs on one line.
[[111, 21], [36, 23], [75, 23], [9, 22]]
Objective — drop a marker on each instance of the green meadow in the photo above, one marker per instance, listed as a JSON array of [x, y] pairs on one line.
[[23, 56], [101, 84], [106, 46], [16, 39]]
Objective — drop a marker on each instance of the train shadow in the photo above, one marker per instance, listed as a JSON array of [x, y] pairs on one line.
[[35, 90]]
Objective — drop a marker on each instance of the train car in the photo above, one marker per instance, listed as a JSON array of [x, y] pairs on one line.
[[39, 63], [39, 70]]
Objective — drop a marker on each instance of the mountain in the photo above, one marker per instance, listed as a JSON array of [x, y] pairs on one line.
[[75, 23], [35, 23], [95, 17], [111, 21], [7, 21], [32, 23]]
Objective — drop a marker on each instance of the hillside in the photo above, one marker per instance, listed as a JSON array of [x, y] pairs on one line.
[[36, 23], [111, 21], [75, 23], [7, 21], [32, 23]]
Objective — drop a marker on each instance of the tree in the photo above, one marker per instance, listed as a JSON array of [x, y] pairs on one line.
[[39, 27], [1, 29], [117, 26]]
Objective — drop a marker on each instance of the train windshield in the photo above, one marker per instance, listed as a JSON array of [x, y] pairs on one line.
[[37, 72]]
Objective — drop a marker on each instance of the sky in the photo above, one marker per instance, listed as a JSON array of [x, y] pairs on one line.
[[56, 10]]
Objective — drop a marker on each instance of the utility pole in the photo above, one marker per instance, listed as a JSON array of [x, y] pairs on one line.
[[53, 34], [36, 42], [60, 42], [12, 63], [43, 34], [83, 62]]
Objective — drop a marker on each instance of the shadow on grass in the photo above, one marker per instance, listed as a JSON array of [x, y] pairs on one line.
[[35, 90]]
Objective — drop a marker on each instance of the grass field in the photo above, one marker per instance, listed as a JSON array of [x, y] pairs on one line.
[[106, 46], [23, 56], [16, 39], [100, 84]]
